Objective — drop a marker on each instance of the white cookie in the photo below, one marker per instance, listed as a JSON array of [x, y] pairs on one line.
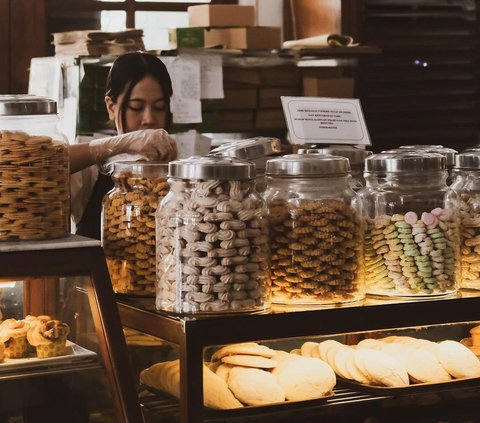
[[381, 368], [310, 349], [458, 360]]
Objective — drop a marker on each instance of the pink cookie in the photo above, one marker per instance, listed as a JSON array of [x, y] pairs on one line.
[[437, 212], [428, 218], [410, 217], [434, 224]]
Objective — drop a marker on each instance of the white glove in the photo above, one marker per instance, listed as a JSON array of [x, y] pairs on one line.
[[153, 144]]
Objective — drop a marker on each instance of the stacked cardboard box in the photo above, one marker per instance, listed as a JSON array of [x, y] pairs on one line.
[[230, 26], [327, 82]]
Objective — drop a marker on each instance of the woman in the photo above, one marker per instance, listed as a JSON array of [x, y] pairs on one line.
[[138, 104]]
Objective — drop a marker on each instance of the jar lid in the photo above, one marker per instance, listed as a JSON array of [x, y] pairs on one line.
[[23, 104], [150, 168], [250, 148], [356, 156], [211, 167], [377, 162], [449, 153], [468, 160], [307, 165], [422, 146], [399, 161]]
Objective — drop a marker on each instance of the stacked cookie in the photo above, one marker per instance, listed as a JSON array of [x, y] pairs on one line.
[[316, 248], [407, 254], [34, 187], [397, 361], [129, 232]]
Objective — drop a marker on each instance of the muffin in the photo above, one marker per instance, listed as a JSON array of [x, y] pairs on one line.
[[13, 334], [49, 338]]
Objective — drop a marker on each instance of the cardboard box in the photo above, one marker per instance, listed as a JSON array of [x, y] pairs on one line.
[[254, 37], [328, 87], [269, 97], [239, 98], [221, 15]]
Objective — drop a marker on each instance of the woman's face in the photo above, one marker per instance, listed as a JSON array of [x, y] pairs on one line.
[[146, 109]]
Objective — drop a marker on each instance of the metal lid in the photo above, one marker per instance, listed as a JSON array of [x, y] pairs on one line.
[[141, 168], [377, 162], [356, 156], [22, 104], [399, 161], [422, 146], [307, 165], [211, 167], [468, 160], [247, 149], [449, 153]]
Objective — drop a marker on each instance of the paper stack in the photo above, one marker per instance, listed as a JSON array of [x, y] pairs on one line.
[[97, 43]]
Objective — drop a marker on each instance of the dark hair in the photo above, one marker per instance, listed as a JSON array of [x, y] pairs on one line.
[[128, 70]]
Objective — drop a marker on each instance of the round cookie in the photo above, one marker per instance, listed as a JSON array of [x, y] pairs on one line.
[[324, 346], [310, 349], [248, 348], [423, 366]]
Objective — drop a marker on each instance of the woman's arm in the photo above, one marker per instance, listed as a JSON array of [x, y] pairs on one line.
[[154, 144]]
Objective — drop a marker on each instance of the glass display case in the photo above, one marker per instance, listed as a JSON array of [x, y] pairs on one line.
[[85, 376], [195, 342]]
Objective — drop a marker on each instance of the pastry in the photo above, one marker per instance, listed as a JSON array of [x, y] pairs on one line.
[[475, 333], [304, 378], [13, 333], [458, 360], [49, 338], [165, 376], [380, 368], [250, 361], [247, 348], [2, 352], [255, 386], [223, 370]]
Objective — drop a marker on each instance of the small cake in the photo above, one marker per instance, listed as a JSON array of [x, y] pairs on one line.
[[13, 334], [49, 338], [475, 332]]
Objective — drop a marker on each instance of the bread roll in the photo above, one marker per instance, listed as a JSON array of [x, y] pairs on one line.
[[458, 360], [255, 386], [165, 376], [304, 378]]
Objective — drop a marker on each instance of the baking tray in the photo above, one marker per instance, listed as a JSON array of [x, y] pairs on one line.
[[410, 389], [248, 409], [73, 354]]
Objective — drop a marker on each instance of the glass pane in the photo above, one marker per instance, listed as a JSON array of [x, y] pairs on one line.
[[155, 27], [113, 20]]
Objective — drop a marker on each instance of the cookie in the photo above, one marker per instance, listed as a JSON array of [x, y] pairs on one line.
[[250, 361], [248, 348]]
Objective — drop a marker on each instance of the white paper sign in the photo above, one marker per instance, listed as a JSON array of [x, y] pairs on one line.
[[211, 75], [317, 120], [185, 103]]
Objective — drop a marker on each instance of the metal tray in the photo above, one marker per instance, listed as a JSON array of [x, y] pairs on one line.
[[410, 389], [248, 409]]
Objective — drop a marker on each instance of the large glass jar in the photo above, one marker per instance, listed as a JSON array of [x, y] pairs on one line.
[[316, 230], [34, 170], [355, 156], [412, 238], [128, 225], [467, 187], [212, 239]]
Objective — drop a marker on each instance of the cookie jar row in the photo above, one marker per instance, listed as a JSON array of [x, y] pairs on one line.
[[34, 170]]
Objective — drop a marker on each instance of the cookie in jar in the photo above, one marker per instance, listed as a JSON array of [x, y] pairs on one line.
[[316, 231], [128, 225], [212, 239]]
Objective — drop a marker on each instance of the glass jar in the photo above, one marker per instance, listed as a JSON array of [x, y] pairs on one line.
[[212, 239], [34, 170], [128, 225], [468, 190], [316, 231], [412, 238], [355, 156], [257, 150]]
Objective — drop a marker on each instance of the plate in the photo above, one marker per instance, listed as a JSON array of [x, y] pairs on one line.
[[413, 388], [73, 353], [247, 409]]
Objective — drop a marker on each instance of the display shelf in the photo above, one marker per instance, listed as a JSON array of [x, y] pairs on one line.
[[74, 256], [193, 334]]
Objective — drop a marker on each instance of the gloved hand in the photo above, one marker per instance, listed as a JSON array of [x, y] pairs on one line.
[[153, 144]]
